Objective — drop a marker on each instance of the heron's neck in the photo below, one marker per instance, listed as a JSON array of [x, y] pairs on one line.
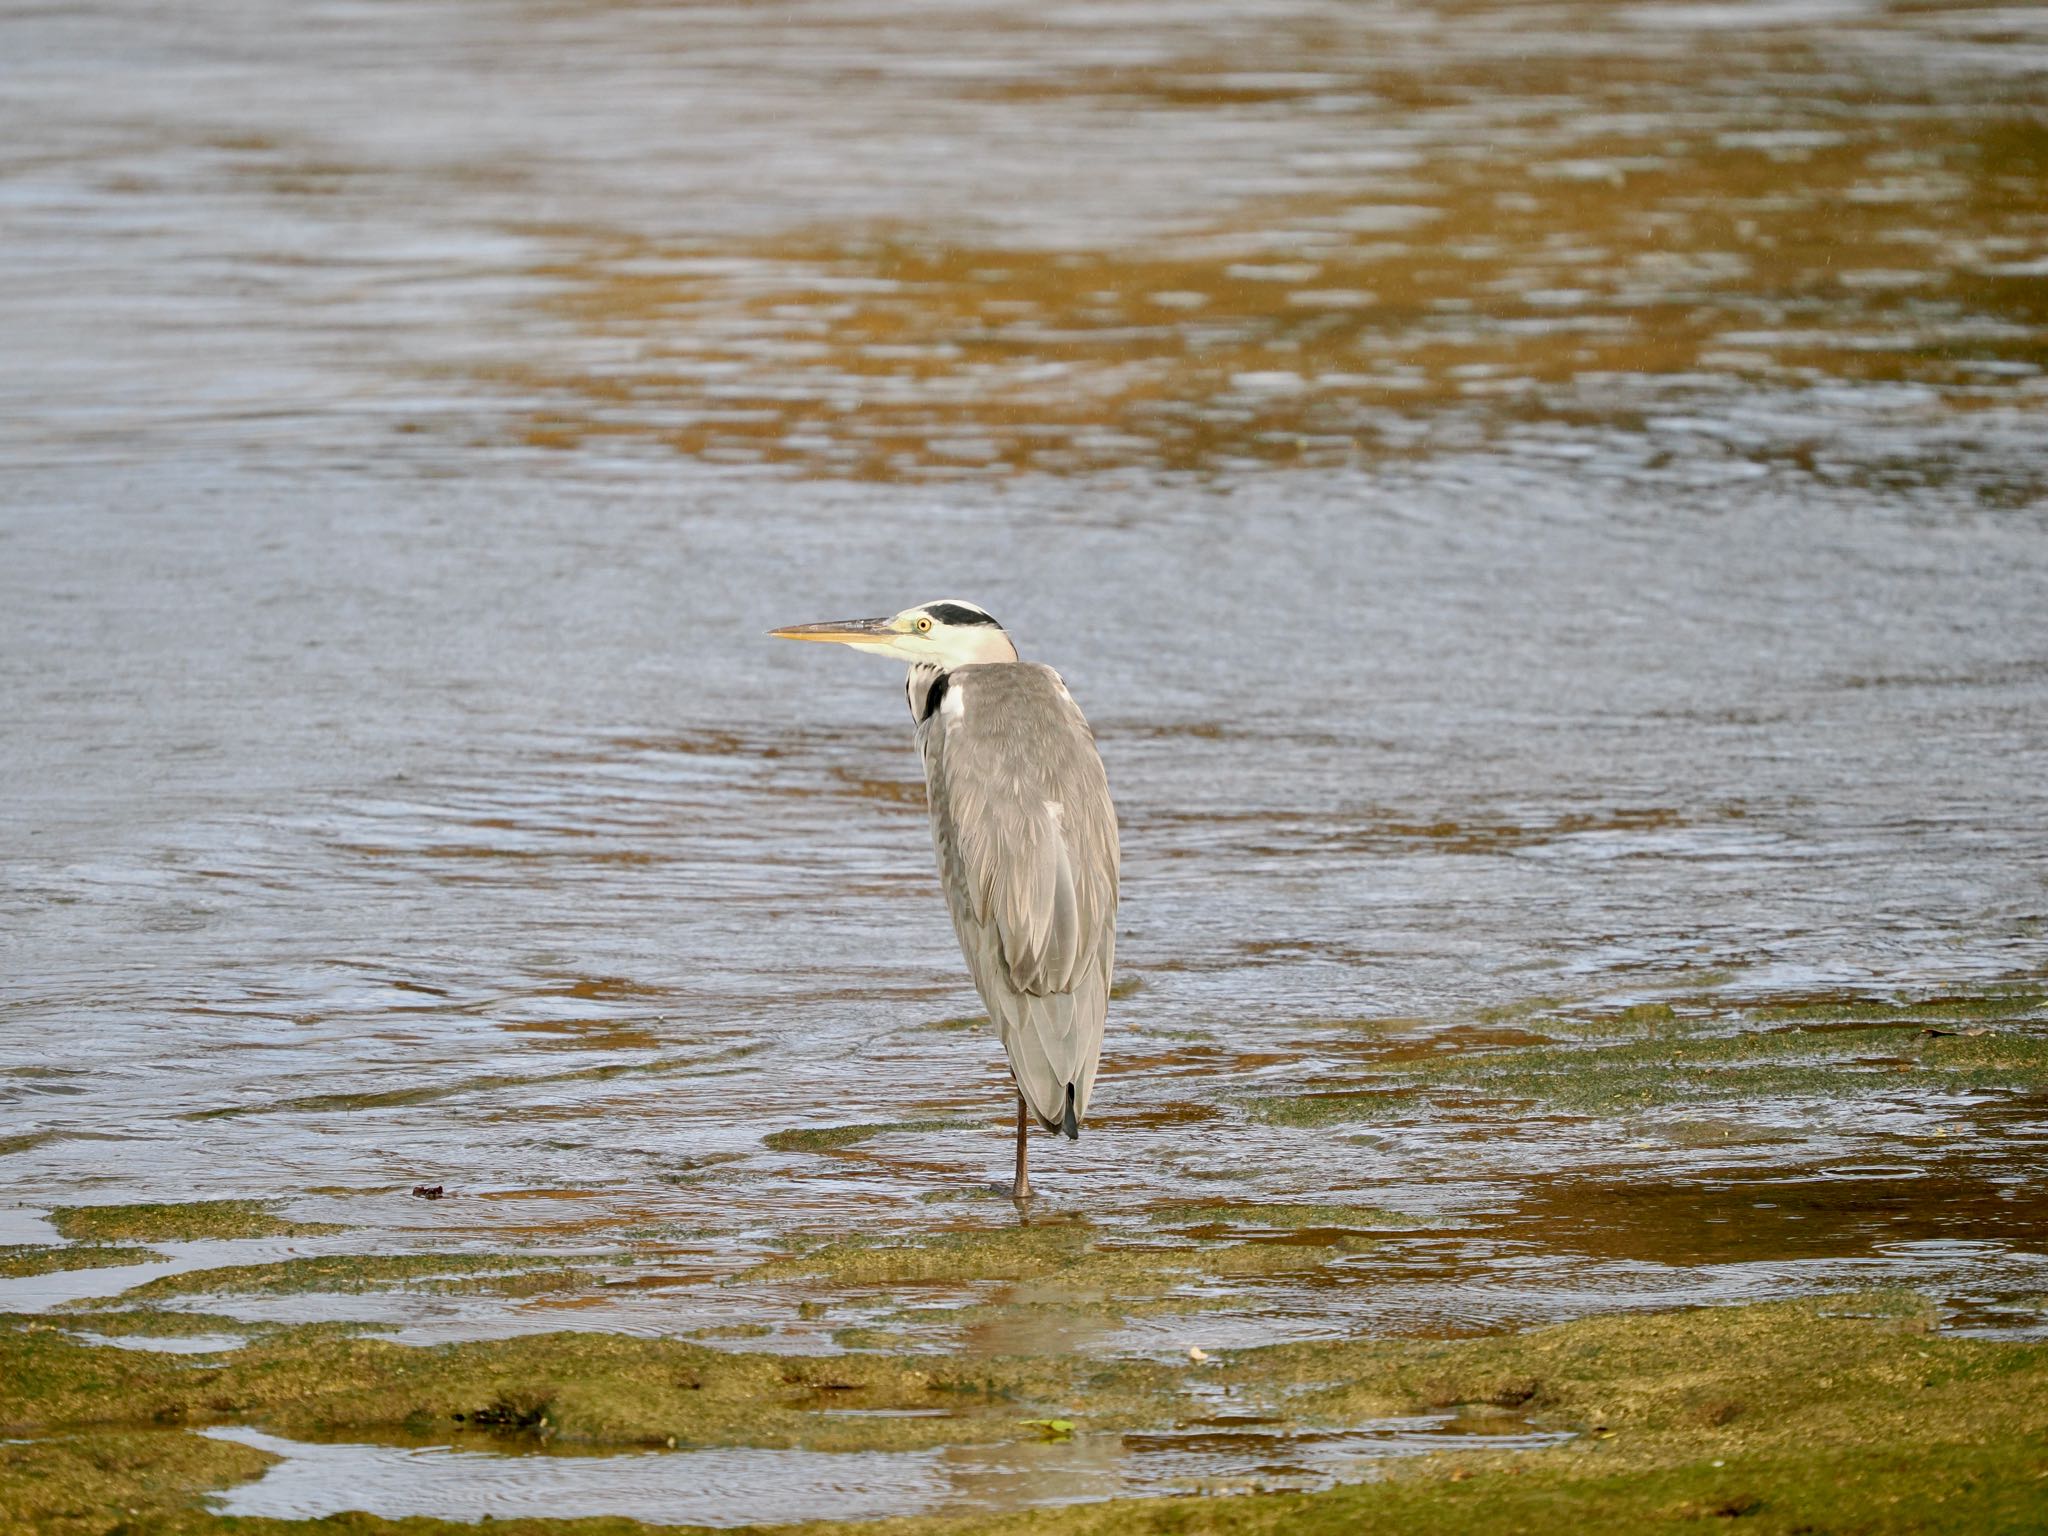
[[924, 689], [928, 681], [975, 646]]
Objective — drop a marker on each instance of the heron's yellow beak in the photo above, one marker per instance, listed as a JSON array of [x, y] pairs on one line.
[[840, 631]]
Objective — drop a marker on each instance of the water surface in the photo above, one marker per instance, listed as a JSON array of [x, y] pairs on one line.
[[1543, 504]]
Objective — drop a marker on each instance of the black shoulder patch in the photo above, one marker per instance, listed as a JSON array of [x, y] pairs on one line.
[[934, 696], [954, 613]]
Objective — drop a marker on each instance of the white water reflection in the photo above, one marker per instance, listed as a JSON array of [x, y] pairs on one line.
[[727, 1486], [189, 1344]]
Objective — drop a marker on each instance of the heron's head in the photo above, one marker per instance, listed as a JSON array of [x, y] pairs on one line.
[[946, 634]]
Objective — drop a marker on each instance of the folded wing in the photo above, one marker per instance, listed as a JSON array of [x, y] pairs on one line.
[[1027, 844]]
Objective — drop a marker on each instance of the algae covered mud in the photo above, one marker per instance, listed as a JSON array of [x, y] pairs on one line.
[[1543, 503]]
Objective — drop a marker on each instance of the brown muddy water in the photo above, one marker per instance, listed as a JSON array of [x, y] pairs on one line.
[[1544, 504]]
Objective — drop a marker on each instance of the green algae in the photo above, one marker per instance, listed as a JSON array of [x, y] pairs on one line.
[[1791, 1417], [1520, 1010], [17, 1262], [1279, 1217], [110, 1322], [1030, 1307], [1844, 1413], [491, 1274], [138, 1322], [1290, 1258], [1939, 1487], [92, 1320], [829, 1138], [1979, 1008], [1310, 1110], [1654, 1056], [1788, 1400], [1073, 1261], [114, 1480], [1694, 1009], [1847, 1059], [1069, 1253], [179, 1221], [732, 1331], [589, 1388]]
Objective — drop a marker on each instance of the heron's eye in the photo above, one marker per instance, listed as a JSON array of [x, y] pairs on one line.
[[924, 626]]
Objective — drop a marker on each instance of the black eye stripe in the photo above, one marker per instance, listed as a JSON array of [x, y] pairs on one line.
[[954, 613]]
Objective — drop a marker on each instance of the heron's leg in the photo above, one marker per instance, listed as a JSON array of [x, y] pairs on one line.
[[1021, 1190]]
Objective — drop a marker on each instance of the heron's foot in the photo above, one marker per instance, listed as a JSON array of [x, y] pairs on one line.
[[1021, 1190]]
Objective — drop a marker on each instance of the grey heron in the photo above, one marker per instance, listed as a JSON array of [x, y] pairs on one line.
[[1026, 838]]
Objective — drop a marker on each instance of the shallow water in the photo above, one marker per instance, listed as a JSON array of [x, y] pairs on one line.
[[737, 1486], [1541, 503]]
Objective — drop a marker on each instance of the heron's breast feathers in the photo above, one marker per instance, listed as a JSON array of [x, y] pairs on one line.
[[1022, 820]]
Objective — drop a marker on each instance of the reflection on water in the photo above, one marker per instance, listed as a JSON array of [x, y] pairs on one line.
[[934, 242], [1593, 269], [1544, 506], [736, 1487]]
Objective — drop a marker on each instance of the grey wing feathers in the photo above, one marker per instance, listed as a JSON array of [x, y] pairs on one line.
[[1027, 845]]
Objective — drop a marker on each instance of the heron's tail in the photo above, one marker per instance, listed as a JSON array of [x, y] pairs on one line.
[[1053, 1041]]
